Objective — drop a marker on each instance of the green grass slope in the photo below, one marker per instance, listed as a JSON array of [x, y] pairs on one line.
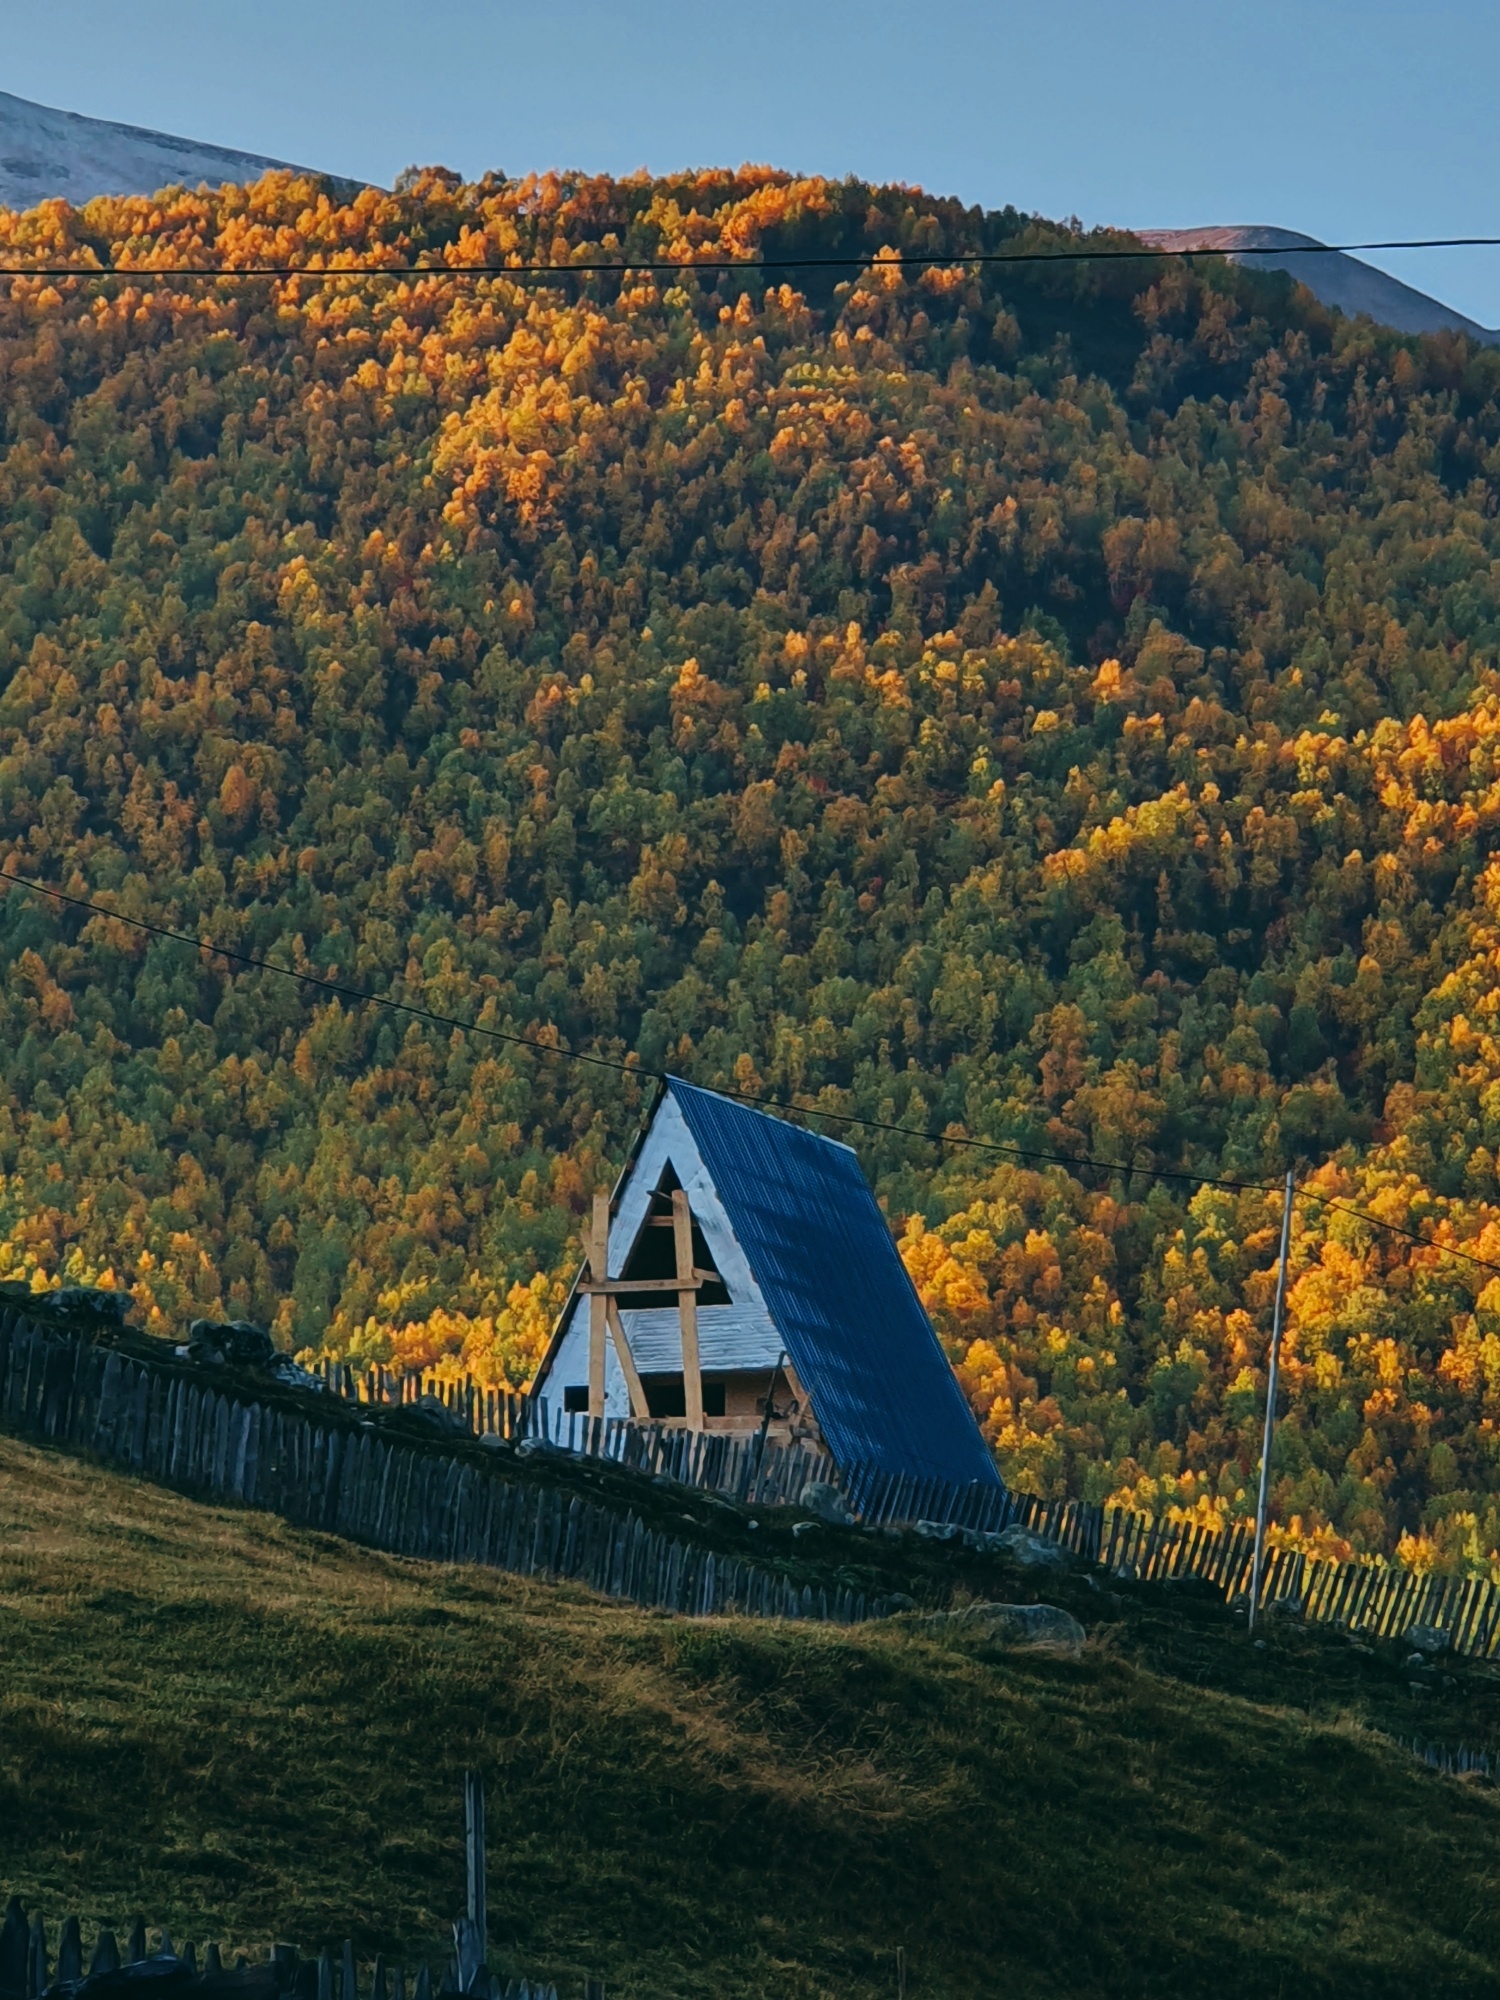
[[250, 1732]]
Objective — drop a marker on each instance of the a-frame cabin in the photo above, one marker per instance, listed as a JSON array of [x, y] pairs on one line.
[[743, 1258]]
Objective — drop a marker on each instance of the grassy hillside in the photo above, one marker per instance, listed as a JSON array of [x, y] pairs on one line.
[[246, 1732], [1057, 702]]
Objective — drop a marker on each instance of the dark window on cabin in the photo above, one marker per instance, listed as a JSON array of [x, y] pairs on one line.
[[576, 1400], [666, 1397], [655, 1253]]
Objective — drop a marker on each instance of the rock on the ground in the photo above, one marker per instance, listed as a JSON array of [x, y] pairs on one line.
[[109, 1305], [240, 1342], [433, 1413], [1427, 1638], [1031, 1551], [1037, 1627], [826, 1501], [529, 1447], [938, 1531]]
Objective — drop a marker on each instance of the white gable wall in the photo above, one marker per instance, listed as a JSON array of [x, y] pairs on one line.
[[739, 1336], [570, 1366], [670, 1143]]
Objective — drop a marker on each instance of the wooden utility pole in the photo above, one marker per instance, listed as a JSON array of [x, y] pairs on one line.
[[598, 1304], [687, 1309], [1272, 1373]]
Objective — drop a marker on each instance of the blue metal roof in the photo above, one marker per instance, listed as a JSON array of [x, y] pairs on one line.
[[835, 1286]]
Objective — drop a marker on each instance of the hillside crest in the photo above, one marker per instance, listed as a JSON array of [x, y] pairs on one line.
[[1332, 276], [48, 155], [1053, 703]]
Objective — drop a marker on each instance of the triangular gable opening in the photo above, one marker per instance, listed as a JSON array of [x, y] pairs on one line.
[[654, 1254]]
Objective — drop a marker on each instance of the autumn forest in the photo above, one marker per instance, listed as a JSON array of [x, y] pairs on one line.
[[1054, 704]]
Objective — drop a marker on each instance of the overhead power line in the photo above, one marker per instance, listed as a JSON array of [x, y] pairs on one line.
[[561, 1052], [682, 267], [334, 986], [1396, 1228]]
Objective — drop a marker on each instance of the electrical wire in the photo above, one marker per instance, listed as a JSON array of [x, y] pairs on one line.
[[334, 986], [1396, 1228], [563, 1053], [680, 267]]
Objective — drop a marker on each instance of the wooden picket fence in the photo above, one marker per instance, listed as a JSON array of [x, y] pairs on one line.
[[1368, 1599], [1460, 1762], [758, 1472], [318, 1467], [28, 1970], [762, 1474], [319, 1470], [1371, 1599], [504, 1413], [739, 1468]]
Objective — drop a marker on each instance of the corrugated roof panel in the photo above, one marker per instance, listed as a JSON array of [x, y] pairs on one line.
[[834, 1283]]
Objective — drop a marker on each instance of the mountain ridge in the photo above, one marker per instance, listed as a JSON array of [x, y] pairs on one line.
[[1332, 276], [47, 154]]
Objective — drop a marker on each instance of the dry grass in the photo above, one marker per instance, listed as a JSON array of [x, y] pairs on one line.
[[249, 1732]]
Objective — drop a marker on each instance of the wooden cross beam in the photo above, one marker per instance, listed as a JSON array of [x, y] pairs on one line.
[[602, 1292], [640, 1409], [598, 1318], [604, 1315], [687, 1282], [619, 1287]]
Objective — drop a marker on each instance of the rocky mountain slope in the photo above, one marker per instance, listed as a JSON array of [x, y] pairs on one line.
[[46, 154], [1332, 276]]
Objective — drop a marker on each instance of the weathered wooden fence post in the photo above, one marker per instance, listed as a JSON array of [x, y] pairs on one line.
[[36, 1971], [13, 1948], [70, 1951], [470, 1933]]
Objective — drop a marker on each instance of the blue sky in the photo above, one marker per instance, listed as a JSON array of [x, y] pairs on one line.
[[1348, 121]]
